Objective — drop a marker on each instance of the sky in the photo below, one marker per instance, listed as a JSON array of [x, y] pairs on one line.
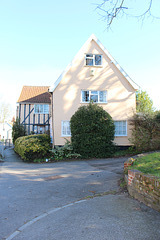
[[38, 39]]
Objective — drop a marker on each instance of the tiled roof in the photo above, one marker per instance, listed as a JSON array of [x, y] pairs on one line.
[[35, 94]]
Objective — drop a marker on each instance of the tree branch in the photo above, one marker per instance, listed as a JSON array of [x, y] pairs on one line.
[[111, 9]]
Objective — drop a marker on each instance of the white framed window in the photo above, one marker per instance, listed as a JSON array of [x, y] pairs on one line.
[[120, 128], [65, 129], [93, 60], [41, 108], [93, 96]]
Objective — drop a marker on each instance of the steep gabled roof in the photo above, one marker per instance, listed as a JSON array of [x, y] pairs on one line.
[[35, 94], [93, 37]]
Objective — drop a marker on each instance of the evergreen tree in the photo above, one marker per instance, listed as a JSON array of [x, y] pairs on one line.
[[18, 130]]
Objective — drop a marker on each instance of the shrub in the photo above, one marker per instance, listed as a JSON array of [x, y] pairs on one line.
[[33, 147], [146, 131], [18, 130], [92, 130], [66, 151]]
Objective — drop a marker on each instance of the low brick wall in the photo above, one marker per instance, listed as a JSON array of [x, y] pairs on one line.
[[129, 163], [145, 188]]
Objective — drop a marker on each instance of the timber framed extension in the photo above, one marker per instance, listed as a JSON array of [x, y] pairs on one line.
[[33, 109]]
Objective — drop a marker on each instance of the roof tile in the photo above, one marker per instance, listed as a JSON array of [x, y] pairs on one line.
[[35, 94]]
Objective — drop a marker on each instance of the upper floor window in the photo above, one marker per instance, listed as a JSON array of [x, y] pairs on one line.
[[41, 108], [120, 128], [94, 96], [93, 60]]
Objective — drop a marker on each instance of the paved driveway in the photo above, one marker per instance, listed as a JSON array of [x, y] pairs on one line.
[[72, 201]]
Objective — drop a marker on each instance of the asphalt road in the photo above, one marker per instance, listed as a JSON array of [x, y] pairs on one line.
[[72, 201]]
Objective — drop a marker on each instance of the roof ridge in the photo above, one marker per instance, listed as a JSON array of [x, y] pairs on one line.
[[34, 86]]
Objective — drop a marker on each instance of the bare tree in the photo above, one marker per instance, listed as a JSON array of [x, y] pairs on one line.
[[111, 9], [4, 112]]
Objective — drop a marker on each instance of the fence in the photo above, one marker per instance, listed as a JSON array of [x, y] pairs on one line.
[[2, 146], [5, 144], [8, 143]]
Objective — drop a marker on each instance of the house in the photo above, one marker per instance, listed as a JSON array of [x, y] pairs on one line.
[[34, 109], [5, 131], [93, 75]]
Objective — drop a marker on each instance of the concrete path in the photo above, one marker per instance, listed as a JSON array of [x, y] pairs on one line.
[[70, 200]]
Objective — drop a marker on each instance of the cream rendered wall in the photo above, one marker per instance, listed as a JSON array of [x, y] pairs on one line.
[[120, 104]]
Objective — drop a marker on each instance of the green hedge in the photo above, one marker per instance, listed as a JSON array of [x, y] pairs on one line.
[[92, 130], [33, 147]]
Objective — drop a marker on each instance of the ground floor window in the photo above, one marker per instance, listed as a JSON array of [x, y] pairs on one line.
[[120, 128], [40, 129], [66, 131]]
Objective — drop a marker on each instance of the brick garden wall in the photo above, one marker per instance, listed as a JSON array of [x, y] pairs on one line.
[[145, 188]]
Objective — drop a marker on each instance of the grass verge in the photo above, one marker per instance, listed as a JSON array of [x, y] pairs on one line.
[[149, 164]]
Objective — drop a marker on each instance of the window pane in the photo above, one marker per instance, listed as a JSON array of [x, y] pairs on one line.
[[102, 96], [41, 108], [46, 108], [85, 96], [98, 60], [89, 55], [35, 129], [89, 62], [94, 98], [36, 108], [120, 128], [66, 128], [94, 92]]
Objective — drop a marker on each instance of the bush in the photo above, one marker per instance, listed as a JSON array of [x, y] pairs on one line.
[[33, 147], [146, 131], [66, 151], [92, 130], [18, 130]]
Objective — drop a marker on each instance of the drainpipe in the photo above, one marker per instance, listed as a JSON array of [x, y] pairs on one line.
[[52, 125]]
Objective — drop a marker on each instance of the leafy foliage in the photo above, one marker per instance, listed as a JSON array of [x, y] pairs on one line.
[[127, 152], [144, 103], [18, 130], [66, 151], [92, 130], [146, 131], [33, 146]]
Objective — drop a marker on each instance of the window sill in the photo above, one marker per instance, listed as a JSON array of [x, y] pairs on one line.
[[96, 66], [120, 135], [65, 135], [95, 102], [41, 113]]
